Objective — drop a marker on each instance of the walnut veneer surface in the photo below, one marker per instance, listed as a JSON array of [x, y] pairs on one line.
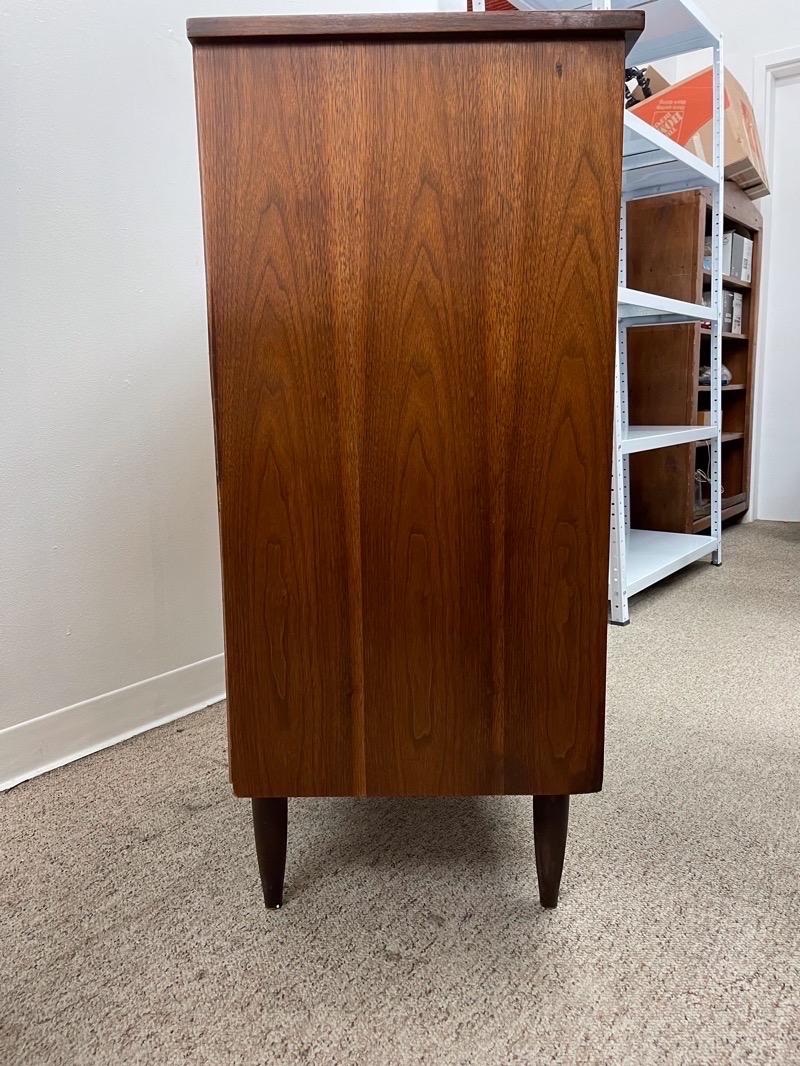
[[411, 251]]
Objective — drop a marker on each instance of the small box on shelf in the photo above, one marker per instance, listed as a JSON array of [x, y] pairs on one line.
[[727, 309], [736, 312], [741, 263], [737, 256], [727, 252]]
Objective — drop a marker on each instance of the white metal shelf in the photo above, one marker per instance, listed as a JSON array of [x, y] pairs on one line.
[[672, 27], [652, 555], [653, 164], [636, 308], [647, 438]]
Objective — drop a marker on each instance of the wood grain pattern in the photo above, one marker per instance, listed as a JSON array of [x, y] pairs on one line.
[[412, 313], [424, 508], [550, 825], [663, 363], [283, 510], [551, 245], [628, 24]]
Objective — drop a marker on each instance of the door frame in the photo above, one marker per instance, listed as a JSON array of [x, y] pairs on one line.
[[769, 70]]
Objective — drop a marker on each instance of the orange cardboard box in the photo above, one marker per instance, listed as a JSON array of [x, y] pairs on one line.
[[657, 83], [683, 112]]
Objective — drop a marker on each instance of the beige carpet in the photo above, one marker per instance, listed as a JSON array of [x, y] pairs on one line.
[[133, 932]]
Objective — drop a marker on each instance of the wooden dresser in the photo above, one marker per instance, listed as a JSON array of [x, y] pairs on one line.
[[411, 228]]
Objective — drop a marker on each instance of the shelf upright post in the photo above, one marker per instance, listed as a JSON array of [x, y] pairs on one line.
[[715, 444], [620, 489], [623, 393]]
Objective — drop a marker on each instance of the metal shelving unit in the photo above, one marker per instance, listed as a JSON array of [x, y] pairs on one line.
[[654, 165]]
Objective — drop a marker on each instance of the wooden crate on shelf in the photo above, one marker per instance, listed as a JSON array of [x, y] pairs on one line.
[[666, 237]]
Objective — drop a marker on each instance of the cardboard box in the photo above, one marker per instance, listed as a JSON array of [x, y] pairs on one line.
[[657, 84], [684, 113], [727, 252], [727, 311], [727, 308], [741, 257], [747, 260], [736, 312]]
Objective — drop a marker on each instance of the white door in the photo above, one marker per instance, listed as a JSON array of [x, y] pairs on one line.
[[778, 483]]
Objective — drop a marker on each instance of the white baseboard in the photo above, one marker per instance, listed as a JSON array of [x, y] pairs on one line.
[[41, 744]]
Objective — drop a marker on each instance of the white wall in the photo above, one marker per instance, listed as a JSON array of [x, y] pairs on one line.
[[749, 28], [109, 580], [779, 444]]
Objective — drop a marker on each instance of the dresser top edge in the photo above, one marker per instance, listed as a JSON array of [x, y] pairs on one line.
[[628, 24]]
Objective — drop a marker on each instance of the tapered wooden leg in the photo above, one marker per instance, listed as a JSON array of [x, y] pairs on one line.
[[550, 820], [270, 818]]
